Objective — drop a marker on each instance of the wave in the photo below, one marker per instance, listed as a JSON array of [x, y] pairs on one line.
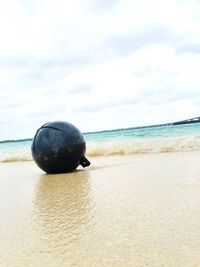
[[151, 145], [15, 159], [16, 155], [122, 147]]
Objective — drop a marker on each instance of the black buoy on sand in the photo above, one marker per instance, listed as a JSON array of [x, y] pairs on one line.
[[59, 147]]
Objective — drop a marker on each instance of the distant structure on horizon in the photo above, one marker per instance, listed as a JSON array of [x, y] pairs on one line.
[[188, 121], [193, 120]]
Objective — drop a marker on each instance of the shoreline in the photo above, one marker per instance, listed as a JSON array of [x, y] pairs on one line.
[[99, 156]]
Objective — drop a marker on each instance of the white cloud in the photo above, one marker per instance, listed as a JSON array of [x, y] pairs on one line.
[[98, 65]]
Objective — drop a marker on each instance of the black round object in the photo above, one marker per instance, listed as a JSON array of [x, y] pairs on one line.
[[59, 147]]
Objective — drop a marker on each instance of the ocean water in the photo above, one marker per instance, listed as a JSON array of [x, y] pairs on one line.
[[121, 142]]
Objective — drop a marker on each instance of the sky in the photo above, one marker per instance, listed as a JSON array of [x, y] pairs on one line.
[[97, 64]]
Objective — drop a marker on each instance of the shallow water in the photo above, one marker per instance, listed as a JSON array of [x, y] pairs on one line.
[[121, 142], [141, 210]]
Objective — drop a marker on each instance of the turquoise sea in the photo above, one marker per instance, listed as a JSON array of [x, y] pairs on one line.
[[118, 142]]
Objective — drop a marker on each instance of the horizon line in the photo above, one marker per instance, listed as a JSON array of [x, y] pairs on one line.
[[188, 121]]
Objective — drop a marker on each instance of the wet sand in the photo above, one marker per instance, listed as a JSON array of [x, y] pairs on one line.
[[140, 210]]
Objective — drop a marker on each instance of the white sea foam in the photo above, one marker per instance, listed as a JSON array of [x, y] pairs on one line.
[[122, 147], [146, 145]]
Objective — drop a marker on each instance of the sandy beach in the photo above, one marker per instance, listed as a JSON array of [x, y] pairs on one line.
[[137, 210]]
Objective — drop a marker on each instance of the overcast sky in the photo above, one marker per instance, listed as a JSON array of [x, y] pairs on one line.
[[99, 64]]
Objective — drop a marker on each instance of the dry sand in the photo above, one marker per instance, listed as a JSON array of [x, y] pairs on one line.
[[141, 210]]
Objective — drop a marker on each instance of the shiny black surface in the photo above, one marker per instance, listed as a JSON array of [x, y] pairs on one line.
[[59, 147]]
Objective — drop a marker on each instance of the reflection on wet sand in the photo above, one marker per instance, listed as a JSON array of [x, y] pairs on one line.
[[63, 212]]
